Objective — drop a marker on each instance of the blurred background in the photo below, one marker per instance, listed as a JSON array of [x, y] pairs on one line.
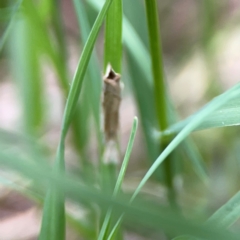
[[40, 46]]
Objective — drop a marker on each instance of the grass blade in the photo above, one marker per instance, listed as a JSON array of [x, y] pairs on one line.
[[81, 69], [113, 37], [27, 72], [224, 217], [212, 106], [120, 179], [227, 214], [93, 70], [227, 115], [157, 63]]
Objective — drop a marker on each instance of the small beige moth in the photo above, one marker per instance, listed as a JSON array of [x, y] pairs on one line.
[[111, 104]]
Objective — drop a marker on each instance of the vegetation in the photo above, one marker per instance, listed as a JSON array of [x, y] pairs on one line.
[[171, 199]]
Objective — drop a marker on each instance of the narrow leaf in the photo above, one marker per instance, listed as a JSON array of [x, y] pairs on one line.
[[227, 115], [119, 180], [196, 121], [113, 37]]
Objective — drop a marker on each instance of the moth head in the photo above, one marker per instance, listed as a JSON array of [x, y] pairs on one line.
[[111, 75]]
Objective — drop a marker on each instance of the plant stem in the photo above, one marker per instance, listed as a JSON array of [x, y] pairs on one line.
[[159, 85]]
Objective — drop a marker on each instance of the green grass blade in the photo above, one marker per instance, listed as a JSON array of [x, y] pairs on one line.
[[189, 149], [120, 178], [227, 115], [27, 72], [93, 70], [212, 106], [113, 37], [160, 91], [81, 69], [227, 214], [114, 229], [157, 63], [126, 157], [196, 159], [133, 43], [53, 223], [224, 217]]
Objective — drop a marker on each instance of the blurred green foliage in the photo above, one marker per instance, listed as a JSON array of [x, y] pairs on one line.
[[150, 42]]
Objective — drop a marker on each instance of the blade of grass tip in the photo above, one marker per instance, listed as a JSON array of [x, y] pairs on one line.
[[54, 205], [120, 177], [113, 37], [212, 106], [126, 157], [115, 228]]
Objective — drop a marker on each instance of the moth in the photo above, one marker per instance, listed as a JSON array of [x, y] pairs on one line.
[[111, 103]]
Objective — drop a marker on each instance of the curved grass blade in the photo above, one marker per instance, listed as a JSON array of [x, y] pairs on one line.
[[223, 218], [93, 70], [197, 162], [198, 119], [227, 115], [119, 179], [227, 214], [81, 69]]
